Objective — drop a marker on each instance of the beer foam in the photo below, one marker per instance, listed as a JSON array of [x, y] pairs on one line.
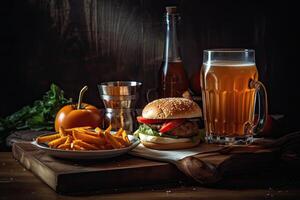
[[230, 63]]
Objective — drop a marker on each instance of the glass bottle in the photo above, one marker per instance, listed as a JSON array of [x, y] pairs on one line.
[[173, 79]]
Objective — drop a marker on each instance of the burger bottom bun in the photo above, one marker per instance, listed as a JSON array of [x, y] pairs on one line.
[[170, 146]]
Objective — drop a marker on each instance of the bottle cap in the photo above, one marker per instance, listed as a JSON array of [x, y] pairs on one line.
[[171, 9]]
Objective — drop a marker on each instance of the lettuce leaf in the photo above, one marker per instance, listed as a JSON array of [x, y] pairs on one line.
[[144, 129]]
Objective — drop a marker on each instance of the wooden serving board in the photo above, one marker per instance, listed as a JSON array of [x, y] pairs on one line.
[[65, 176], [125, 172]]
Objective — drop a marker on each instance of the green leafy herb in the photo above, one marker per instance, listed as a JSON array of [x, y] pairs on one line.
[[39, 116]]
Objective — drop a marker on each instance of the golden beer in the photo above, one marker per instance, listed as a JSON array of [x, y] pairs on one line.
[[229, 98]]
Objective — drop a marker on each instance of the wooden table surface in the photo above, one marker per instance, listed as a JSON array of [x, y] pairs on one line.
[[18, 183]]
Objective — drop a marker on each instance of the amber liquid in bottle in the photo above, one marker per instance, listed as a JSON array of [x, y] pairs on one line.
[[173, 81]]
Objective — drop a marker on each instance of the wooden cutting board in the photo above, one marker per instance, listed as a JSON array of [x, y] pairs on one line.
[[66, 176], [126, 171]]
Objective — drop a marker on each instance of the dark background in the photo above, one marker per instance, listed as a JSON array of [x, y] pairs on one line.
[[73, 43]]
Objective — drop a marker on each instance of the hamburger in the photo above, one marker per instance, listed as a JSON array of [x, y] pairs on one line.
[[170, 123]]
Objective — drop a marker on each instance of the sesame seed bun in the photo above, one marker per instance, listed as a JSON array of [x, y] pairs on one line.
[[171, 108]]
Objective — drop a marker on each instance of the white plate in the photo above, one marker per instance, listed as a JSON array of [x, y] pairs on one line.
[[92, 154]]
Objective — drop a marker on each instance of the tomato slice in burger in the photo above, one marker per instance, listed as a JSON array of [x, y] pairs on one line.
[[171, 125], [143, 120]]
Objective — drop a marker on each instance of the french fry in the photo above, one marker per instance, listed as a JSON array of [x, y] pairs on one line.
[[88, 138], [74, 135], [119, 132], [85, 145], [62, 132], [108, 129], [110, 139], [81, 127], [89, 132], [65, 146], [102, 136], [47, 138], [69, 139], [105, 147], [98, 130], [77, 147], [85, 138], [108, 146], [123, 142], [125, 137], [101, 132], [55, 143]]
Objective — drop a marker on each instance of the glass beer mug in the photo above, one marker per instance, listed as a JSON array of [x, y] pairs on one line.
[[230, 87]]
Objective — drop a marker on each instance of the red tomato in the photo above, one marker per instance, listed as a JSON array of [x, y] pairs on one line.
[[69, 117], [171, 125], [143, 120]]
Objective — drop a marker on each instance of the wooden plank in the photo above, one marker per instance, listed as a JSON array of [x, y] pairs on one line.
[[66, 176], [25, 155], [18, 183]]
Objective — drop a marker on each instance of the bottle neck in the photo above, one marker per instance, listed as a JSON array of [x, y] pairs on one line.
[[172, 52]]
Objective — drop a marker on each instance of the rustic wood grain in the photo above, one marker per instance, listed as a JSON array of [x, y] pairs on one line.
[[211, 167], [73, 43], [66, 176], [17, 182]]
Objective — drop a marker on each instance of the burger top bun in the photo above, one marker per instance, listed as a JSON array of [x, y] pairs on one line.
[[171, 108]]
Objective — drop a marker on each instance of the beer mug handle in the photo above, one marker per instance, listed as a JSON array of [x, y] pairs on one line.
[[262, 105], [149, 93]]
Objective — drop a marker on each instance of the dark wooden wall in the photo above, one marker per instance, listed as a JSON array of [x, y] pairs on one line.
[[77, 42]]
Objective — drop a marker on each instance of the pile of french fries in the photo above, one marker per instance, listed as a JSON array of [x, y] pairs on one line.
[[86, 138]]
